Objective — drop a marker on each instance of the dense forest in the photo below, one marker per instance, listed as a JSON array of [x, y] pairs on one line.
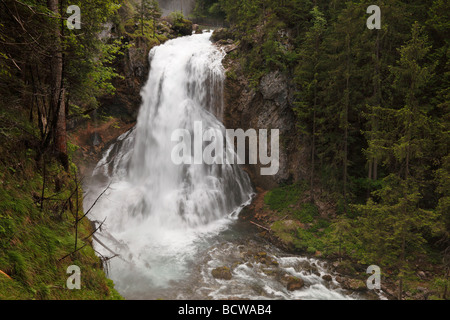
[[372, 105], [53, 74]]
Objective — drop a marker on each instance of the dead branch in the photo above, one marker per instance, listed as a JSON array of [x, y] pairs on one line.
[[96, 229], [104, 245], [95, 202], [72, 252], [258, 225]]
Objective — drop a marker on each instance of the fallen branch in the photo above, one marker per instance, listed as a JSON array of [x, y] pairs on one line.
[[72, 252], [258, 225], [96, 229], [95, 202], [104, 245], [5, 274]]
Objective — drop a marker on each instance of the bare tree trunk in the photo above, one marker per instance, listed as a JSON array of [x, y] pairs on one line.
[[61, 132], [377, 93], [57, 99], [402, 259], [76, 213], [346, 110]]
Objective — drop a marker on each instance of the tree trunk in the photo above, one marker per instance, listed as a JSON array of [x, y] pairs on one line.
[[61, 132], [313, 149], [373, 161], [313, 143], [346, 110], [57, 98]]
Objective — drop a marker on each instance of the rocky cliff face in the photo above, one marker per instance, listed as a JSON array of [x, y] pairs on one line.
[[184, 6], [117, 113], [267, 106]]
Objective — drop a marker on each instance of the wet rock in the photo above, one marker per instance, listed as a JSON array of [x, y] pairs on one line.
[[182, 27], [95, 139], [269, 272], [221, 34], [274, 87], [261, 257], [222, 273], [327, 277], [262, 254], [294, 283], [313, 269], [315, 272], [274, 262], [355, 285], [268, 105]]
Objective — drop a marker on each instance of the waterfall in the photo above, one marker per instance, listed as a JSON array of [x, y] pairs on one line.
[[156, 213]]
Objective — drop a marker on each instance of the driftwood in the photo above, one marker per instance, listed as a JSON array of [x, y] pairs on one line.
[[258, 225]]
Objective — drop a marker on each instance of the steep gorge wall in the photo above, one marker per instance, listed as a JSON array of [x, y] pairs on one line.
[[185, 6], [268, 106]]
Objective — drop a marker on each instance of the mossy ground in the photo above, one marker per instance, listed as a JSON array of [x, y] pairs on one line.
[[33, 239], [299, 225]]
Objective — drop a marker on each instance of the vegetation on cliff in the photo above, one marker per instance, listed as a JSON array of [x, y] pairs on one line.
[[52, 80], [372, 106], [49, 73]]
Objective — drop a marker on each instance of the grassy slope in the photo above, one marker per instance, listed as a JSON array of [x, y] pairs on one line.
[[32, 240]]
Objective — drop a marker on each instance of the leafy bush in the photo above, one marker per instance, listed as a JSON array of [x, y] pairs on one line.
[[282, 197], [307, 213]]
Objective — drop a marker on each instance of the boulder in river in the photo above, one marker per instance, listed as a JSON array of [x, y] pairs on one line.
[[327, 277], [294, 283], [221, 273]]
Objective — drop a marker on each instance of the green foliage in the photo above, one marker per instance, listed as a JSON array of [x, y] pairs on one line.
[[308, 240], [281, 198], [373, 109], [89, 58], [148, 10], [208, 8], [307, 213], [179, 24], [34, 238]]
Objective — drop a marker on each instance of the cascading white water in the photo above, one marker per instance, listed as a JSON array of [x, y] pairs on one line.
[[155, 210], [172, 224]]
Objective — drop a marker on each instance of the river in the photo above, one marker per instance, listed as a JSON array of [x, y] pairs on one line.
[[171, 225]]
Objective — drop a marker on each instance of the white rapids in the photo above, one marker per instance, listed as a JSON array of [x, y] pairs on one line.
[[170, 225]]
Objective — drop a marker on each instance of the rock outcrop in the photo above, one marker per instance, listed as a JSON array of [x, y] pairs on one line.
[[223, 273], [269, 105], [294, 283]]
